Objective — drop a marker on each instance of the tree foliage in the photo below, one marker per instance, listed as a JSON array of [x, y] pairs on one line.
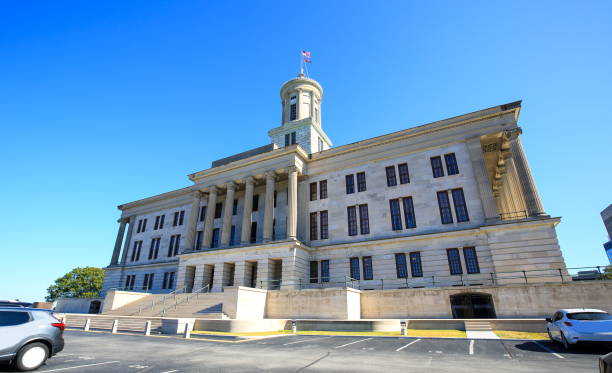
[[607, 273], [78, 283]]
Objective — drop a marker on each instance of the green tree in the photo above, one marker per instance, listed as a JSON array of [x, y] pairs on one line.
[[78, 283], [607, 273]]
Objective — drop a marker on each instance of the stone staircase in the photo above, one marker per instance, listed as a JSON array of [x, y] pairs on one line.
[[187, 305], [477, 326]]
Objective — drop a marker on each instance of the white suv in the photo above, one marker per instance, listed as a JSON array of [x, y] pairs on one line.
[[570, 326]]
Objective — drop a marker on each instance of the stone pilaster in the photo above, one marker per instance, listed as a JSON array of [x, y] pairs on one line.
[[119, 241], [532, 198], [218, 277], [245, 237], [269, 207], [240, 273], [198, 279], [227, 214], [210, 215], [263, 273], [482, 179], [293, 193], [193, 221], [128, 239]]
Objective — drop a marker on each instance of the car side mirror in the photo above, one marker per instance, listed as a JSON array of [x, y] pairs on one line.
[[548, 319]]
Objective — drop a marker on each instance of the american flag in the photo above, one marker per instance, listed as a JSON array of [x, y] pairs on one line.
[[306, 55]]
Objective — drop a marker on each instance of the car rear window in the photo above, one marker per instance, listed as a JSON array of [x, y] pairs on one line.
[[8, 318], [586, 316]]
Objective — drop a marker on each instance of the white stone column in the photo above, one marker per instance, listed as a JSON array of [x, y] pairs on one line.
[[193, 221], [269, 207], [532, 198], [293, 192], [218, 277], [482, 178], [245, 237], [227, 214], [128, 239], [515, 186], [240, 273], [119, 241], [263, 273], [210, 215], [198, 279]]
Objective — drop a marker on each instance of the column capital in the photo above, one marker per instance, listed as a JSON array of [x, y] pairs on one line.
[[270, 175], [231, 185], [197, 194], [512, 133], [123, 220], [213, 189], [292, 168], [249, 180]]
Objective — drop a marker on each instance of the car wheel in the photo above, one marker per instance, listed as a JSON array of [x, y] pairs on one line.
[[566, 345], [31, 356], [550, 336]]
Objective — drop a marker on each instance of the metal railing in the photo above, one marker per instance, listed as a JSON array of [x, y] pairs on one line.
[[190, 295], [486, 278], [155, 302]]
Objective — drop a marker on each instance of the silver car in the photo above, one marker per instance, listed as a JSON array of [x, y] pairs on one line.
[[29, 336]]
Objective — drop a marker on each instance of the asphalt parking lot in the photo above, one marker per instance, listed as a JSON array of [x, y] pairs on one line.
[[90, 352]]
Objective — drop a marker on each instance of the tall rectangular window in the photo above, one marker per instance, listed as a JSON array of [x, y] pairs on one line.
[[253, 232], [404, 175], [235, 207], [154, 248], [368, 273], [314, 272], [460, 207], [171, 281], [320, 142], [364, 219], [215, 238], [181, 217], [165, 280], [324, 225], [287, 140], [391, 178], [361, 182], [232, 235], [454, 261], [218, 209], [409, 217], [355, 275], [313, 226], [471, 260], [400, 265], [198, 240], [445, 210], [436, 167], [313, 191], [275, 194], [293, 139], [396, 217], [161, 223], [325, 270], [145, 283], [139, 226], [202, 215], [451, 164], [352, 220], [293, 111], [171, 246], [256, 202], [350, 184], [323, 189], [156, 225], [144, 225], [415, 264], [177, 244], [136, 251], [129, 282]]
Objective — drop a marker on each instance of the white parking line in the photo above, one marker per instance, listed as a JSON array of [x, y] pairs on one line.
[[361, 340], [306, 340], [471, 347], [79, 366], [404, 346], [548, 350], [170, 371]]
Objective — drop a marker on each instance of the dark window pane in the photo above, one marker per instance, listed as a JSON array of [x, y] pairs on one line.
[[181, 217], [409, 217], [454, 262], [218, 209], [445, 211], [352, 220], [287, 140], [323, 189], [436, 167], [215, 238], [324, 226], [9, 318], [361, 182], [313, 226], [171, 246], [471, 260], [460, 207], [364, 219], [355, 269], [253, 232], [404, 175], [232, 235], [350, 184], [325, 270], [314, 272], [293, 140], [396, 218], [368, 274], [415, 264], [235, 207], [451, 164], [202, 215], [313, 191], [293, 112], [198, 240], [400, 265], [256, 202], [391, 178]]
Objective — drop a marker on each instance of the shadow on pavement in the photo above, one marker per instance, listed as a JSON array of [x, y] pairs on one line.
[[580, 349]]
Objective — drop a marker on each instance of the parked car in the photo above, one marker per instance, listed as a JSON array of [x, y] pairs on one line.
[[29, 336], [14, 303], [570, 326]]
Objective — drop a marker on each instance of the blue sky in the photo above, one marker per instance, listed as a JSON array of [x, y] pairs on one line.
[[105, 102]]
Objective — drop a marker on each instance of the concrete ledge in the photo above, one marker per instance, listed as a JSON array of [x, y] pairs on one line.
[[242, 326], [388, 325], [175, 326]]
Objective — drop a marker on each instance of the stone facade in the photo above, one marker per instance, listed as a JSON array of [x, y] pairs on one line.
[[255, 229]]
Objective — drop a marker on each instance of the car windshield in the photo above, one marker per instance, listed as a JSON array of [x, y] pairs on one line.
[[589, 316]]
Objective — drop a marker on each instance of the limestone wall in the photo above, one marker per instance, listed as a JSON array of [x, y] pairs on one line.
[[333, 303], [75, 305]]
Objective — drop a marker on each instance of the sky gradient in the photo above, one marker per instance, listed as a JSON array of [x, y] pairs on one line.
[[103, 103]]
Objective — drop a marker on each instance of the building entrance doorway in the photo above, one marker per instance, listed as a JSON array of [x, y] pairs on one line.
[[94, 306], [276, 271], [189, 278], [472, 306]]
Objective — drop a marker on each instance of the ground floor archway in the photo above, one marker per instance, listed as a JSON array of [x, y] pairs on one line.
[[472, 306]]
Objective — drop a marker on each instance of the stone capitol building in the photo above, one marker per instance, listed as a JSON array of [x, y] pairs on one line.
[[447, 203]]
